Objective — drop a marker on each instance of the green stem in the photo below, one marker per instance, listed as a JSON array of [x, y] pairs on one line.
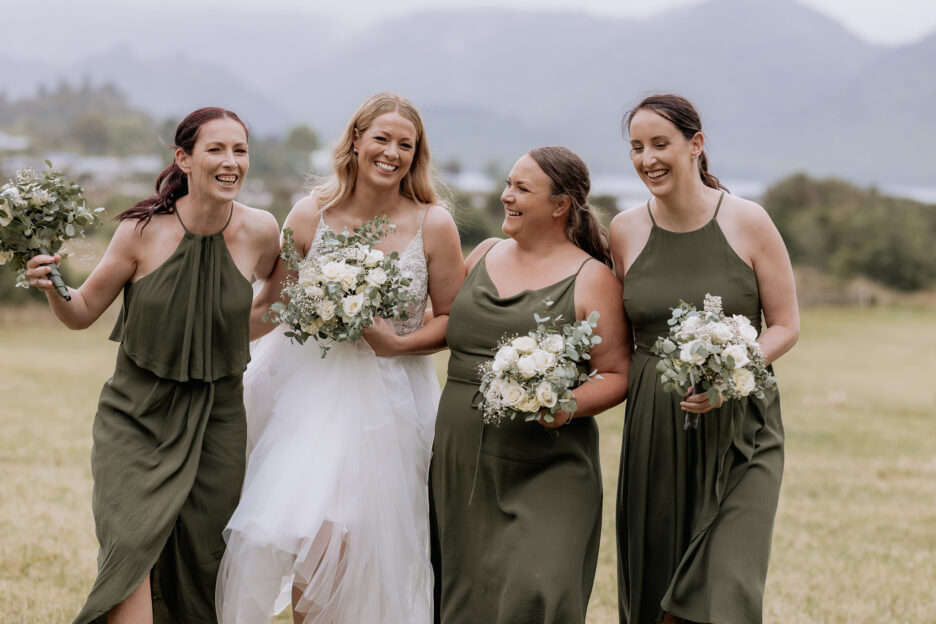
[[56, 276]]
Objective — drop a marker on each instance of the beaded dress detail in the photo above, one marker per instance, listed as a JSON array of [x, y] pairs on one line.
[[413, 265], [335, 500]]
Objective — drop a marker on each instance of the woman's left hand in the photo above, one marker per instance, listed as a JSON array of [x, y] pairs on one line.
[[559, 418], [699, 403], [381, 338]]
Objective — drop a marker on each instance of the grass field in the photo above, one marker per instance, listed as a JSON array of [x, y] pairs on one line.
[[855, 537]]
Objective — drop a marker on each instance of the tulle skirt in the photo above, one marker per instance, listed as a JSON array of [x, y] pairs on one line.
[[335, 501]]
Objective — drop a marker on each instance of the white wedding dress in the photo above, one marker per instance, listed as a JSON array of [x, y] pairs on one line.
[[335, 498]]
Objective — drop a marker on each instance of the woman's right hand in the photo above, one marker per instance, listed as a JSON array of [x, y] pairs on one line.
[[38, 269]]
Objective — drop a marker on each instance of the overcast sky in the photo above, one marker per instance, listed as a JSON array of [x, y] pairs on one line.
[[878, 21]]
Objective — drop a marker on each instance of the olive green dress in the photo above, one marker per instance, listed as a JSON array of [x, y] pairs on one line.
[[695, 507], [515, 508], [170, 433]]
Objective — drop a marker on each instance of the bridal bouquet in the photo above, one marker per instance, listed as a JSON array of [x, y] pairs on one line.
[[336, 293], [718, 354], [39, 210], [535, 374]]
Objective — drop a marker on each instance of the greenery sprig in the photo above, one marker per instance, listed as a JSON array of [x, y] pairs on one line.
[[39, 210]]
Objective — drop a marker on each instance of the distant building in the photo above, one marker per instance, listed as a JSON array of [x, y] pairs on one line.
[[14, 143]]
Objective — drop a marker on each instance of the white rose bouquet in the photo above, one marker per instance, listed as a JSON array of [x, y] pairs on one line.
[[337, 293], [39, 210], [535, 374], [718, 354]]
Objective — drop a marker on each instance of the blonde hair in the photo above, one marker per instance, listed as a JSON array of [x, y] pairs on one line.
[[419, 184]]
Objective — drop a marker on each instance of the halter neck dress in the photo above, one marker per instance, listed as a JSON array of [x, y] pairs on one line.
[[695, 508], [169, 434], [516, 507]]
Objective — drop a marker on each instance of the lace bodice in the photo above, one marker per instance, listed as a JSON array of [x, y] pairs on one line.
[[413, 265]]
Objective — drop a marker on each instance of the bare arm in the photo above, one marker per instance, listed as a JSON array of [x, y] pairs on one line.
[[597, 289], [758, 240], [97, 292], [777, 288], [302, 219], [446, 274]]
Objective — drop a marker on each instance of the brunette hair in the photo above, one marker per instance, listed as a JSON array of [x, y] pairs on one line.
[[569, 176], [681, 113], [172, 183], [418, 184]]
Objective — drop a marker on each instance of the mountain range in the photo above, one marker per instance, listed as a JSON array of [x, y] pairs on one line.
[[780, 87]]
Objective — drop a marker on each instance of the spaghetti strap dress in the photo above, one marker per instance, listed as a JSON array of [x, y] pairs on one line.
[[334, 515], [695, 508], [169, 434], [516, 507]]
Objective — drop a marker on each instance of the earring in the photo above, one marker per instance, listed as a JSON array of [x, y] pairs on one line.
[[354, 151]]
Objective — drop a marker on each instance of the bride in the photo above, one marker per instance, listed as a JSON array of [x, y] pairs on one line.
[[333, 518]]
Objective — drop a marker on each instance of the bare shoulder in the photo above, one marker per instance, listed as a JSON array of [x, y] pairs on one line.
[[438, 219], [478, 252], [632, 221], [746, 217], [304, 216], [597, 277], [745, 213], [130, 236], [259, 222]]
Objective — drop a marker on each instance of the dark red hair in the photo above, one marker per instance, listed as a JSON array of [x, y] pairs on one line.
[[172, 183]]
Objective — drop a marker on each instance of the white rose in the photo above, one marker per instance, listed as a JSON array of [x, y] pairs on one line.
[[749, 333], [526, 366], [720, 333], [511, 394], [543, 360], [554, 343], [546, 395], [504, 359], [332, 271], [743, 381], [373, 257], [312, 326], [529, 404], [738, 353], [691, 324], [508, 354], [5, 256], [376, 277], [10, 194], [348, 278], [326, 309], [5, 215], [350, 306], [686, 354], [523, 344], [40, 198], [314, 292]]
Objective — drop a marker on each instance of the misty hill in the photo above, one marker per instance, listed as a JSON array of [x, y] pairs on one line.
[[780, 86]]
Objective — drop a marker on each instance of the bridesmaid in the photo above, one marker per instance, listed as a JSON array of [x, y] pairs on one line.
[[516, 508], [695, 507], [169, 434]]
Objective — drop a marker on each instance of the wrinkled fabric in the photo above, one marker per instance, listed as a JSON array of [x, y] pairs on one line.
[[169, 435], [695, 507], [516, 507]]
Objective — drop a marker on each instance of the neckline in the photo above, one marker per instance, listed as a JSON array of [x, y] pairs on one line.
[[525, 291], [416, 237], [188, 232], [698, 229]]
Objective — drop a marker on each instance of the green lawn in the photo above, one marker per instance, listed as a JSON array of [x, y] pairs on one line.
[[855, 538]]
